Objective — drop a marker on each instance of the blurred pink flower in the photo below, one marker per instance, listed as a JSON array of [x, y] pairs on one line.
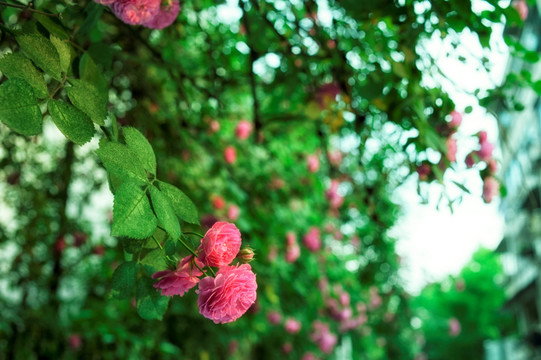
[[228, 296], [470, 160], [522, 8], [327, 93], [218, 202], [233, 212], [105, 2], [491, 188], [180, 280], [485, 153], [335, 199], [214, 126], [323, 337], [273, 253], [166, 15], [230, 154], [312, 240], [220, 245], [344, 298], [454, 327], [451, 149], [292, 326], [423, 170], [482, 136], [456, 119], [75, 341], [292, 252], [287, 348], [313, 163], [309, 356], [274, 317], [335, 157], [243, 129], [136, 12], [492, 166]]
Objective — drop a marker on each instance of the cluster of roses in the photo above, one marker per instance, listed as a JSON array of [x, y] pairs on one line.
[[243, 131], [491, 186], [154, 14], [225, 297], [219, 204]]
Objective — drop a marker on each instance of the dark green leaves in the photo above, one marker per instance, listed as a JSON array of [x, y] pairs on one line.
[[132, 214], [121, 161], [18, 107], [64, 53], [140, 145], [42, 52], [165, 212], [73, 123], [89, 99], [16, 65], [184, 207], [150, 304], [124, 279]]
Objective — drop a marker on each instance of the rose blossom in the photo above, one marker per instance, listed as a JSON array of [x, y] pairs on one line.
[[230, 154], [228, 296], [312, 239], [243, 129], [214, 126], [309, 356], [75, 341], [136, 12], [323, 337], [456, 119], [105, 2], [470, 160], [522, 8], [287, 348], [166, 16], [233, 212], [313, 163], [218, 202], [220, 245], [454, 327], [423, 170], [491, 187], [274, 317], [179, 281], [292, 326], [451, 149], [485, 153], [293, 252]]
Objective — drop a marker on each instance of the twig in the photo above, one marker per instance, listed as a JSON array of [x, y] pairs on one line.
[[29, 8]]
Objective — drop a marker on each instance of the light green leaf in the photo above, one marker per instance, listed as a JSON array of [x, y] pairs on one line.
[[52, 25], [165, 212], [19, 108], [42, 52], [73, 123], [121, 161], [132, 214], [89, 99], [64, 51], [140, 145], [183, 206], [17, 65], [124, 279], [89, 72], [154, 261], [150, 304]]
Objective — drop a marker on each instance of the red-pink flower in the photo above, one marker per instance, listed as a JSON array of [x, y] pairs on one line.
[[166, 15], [313, 163], [451, 149], [335, 200], [218, 202], [136, 12], [454, 327], [491, 188], [292, 326], [423, 170], [456, 119], [492, 166], [180, 280], [274, 317], [228, 296], [482, 136], [335, 157], [75, 341], [327, 93], [309, 356], [323, 337], [243, 129], [233, 212], [293, 252], [485, 153], [214, 126], [287, 348], [522, 8], [312, 240], [470, 160], [230, 154], [105, 2], [220, 245]]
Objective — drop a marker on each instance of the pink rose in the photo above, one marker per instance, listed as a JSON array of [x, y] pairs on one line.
[[291, 238], [470, 160], [274, 317], [485, 153], [292, 326], [218, 202], [166, 16], [293, 252], [312, 239], [105, 2], [220, 245], [451, 149], [423, 170], [230, 154], [456, 119], [179, 281], [482, 136], [313, 163], [287, 348], [136, 12], [214, 126], [309, 356], [344, 298], [228, 296], [492, 166], [243, 129], [491, 188], [335, 199], [327, 93], [233, 212], [522, 8], [335, 157], [454, 327], [75, 341], [325, 341], [273, 253]]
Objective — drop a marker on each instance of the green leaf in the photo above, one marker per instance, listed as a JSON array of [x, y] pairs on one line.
[[42, 52], [89, 99], [16, 65], [165, 212], [124, 279], [92, 13], [140, 145], [52, 25], [468, 109], [64, 52], [183, 206], [150, 304], [89, 72], [73, 123], [121, 161], [461, 187], [154, 261], [132, 214], [19, 108]]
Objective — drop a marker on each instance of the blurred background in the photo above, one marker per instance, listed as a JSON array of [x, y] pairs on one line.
[[387, 178]]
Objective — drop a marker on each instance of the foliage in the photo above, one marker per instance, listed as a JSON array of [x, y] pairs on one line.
[[164, 106]]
